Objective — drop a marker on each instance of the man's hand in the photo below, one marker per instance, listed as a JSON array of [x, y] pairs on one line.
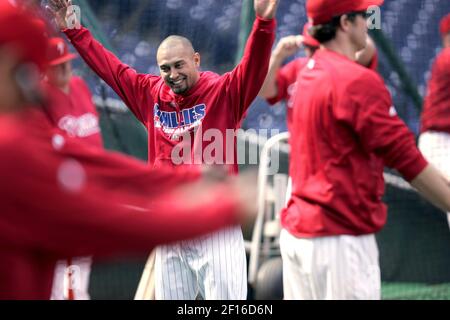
[[59, 10], [242, 188], [266, 9], [214, 173], [287, 47], [245, 186]]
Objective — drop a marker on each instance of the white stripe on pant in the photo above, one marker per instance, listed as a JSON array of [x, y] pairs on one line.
[[435, 146], [330, 268], [211, 268]]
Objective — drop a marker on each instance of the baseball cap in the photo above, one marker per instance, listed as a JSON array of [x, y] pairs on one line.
[[307, 39], [23, 32], [58, 52], [445, 25], [323, 11]]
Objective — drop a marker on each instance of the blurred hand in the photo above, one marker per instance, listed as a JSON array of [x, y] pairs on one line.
[[242, 188], [288, 46], [214, 173], [246, 189], [266, 9], [59, 11]]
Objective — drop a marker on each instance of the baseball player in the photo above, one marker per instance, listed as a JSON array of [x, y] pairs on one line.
[[69, 104], [281, 81], [182, 102], [61, 198], [434, 142], [70, 108], [345, 130]]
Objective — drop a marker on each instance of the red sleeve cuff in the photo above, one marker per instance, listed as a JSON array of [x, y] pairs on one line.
[[411, 169], [71, 33], [262, 23]]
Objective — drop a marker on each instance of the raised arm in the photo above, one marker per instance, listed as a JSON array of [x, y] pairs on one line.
[[245, 81], [285, 48], [115, 205], [124, 80]]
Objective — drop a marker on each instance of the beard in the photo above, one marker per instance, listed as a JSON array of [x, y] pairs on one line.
[[178, 88]]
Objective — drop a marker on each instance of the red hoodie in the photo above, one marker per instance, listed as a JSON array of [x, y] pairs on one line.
[[215, 102], [60, 199]]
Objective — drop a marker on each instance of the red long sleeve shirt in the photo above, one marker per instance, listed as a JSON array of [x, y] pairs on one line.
[[60, 199], [215, 104], [344, 130], [286, 81], [436, 112]]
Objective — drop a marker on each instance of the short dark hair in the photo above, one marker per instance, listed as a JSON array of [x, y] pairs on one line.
[[326, 32]]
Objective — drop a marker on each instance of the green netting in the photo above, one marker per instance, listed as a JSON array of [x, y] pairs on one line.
[[415, 291]]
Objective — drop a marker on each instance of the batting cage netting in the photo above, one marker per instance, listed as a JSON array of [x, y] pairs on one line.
[[414, 245]]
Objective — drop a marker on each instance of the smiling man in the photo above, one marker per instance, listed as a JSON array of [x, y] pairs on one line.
[[53, 187], [179, 105], [178, 63]]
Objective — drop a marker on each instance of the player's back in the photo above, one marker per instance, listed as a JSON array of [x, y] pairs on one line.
[[337, 184]]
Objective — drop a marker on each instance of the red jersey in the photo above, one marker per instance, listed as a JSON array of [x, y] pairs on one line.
[[75, 112], [436, 112], [60, 199], [344, 130], [215, 104], [286, 85], [287, 81]]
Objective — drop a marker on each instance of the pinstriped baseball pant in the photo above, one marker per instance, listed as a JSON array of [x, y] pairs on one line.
[[435, 146], [210, 268], [330, 268]]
